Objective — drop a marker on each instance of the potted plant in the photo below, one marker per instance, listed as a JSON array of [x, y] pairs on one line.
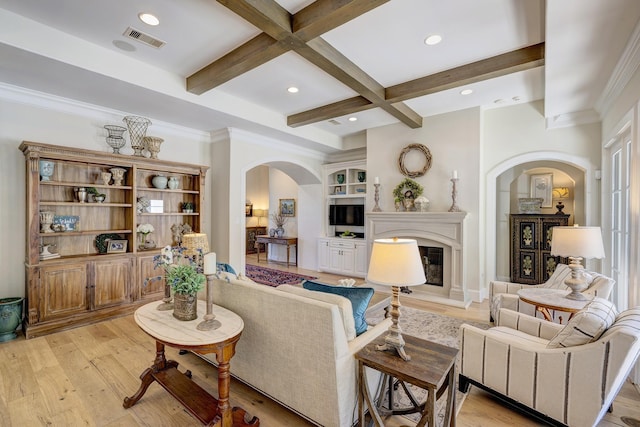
[[10, 317], [184, 276], [97, 197], [188, 207]]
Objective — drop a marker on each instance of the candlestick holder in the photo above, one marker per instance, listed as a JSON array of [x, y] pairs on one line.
[[376, 197], [167, 303], [209, 323], [454, 194]]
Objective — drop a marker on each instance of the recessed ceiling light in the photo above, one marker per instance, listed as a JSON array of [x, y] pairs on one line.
[[148, 19], [292, 89], [353, 119], [433, 39], [466, 92]]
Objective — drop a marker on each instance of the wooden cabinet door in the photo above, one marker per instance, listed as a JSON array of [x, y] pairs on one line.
[[250, 243], [150, 279], [111, 282], [63, 290]]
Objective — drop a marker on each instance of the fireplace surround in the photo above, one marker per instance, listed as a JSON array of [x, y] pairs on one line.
[[443, 230]]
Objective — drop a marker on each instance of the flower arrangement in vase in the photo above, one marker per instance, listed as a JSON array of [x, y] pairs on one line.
[[279, 220], [143, 231], [184, 275]]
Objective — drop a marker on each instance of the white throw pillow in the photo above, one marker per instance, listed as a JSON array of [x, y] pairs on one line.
[[587, 325]]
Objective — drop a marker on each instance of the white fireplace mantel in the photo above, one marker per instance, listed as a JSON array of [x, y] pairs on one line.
[[443, 228]]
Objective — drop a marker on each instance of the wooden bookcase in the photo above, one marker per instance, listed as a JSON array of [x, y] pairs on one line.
[[84, 286]]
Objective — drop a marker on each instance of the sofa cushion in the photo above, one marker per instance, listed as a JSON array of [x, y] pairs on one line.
[[587, 325], [344, 304], [358, 296]]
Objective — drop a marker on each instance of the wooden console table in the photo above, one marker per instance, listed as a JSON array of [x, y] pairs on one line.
[[167, 330], [288, 241], [432, 367]]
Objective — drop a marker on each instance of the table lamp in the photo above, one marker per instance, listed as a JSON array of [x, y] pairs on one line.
[[560, 194], [395, 262], [260, 213], [576, 243]]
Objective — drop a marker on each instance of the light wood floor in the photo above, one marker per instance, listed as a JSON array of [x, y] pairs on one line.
[[80, 377]]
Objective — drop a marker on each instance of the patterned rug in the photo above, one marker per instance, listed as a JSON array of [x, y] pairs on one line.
[[272, 277], [433, 327]]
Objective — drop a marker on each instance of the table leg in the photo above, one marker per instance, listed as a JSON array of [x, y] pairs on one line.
[[259, 252], [159, 364], [545, 312], [288, 255]]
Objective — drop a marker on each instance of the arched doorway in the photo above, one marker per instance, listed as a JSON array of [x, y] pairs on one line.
[[503, 191]]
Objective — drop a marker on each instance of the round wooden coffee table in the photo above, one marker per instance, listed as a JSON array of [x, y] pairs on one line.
[[552, 299]]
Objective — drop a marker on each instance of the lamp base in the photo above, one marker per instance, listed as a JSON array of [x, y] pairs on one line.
[[393, 340], [576, 282]]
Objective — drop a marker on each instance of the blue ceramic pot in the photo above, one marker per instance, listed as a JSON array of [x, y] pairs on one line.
[[10, 317]]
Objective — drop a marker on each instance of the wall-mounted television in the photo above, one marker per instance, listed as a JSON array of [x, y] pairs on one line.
[[346, 215]]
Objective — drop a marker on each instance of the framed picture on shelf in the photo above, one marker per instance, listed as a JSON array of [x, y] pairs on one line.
[[116, 246], [248, 209], [541, 187], [287, 207], [66, 223]]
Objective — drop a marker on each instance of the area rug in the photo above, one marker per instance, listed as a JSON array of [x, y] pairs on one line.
[[432, 327], [272, 277]]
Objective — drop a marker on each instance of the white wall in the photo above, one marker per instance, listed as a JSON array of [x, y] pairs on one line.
[[513, 137], [235, 153], [454, 143], [28, 116]]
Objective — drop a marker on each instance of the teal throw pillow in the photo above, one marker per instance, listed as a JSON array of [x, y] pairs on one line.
[[225, 267], [358, 296]]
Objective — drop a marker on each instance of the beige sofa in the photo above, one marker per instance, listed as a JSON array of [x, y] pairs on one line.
[[297, 347], [505, 294]]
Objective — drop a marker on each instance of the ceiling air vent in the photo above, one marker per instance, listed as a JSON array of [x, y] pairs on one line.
[[334, 122], [132, 33]]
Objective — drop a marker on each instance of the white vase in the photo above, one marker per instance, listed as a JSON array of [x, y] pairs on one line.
[[173, 183]]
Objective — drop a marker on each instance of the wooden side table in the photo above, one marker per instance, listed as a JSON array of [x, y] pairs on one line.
[[268, 240], [552, 299], [167, 330], [432, 367]]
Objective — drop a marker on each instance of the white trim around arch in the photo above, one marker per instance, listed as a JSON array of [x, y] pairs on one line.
[[490, 201]]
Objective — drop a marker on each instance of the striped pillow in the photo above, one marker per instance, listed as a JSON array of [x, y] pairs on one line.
[[587, 325]]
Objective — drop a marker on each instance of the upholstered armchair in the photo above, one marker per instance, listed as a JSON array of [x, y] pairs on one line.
[[505, 294], [543, 368]]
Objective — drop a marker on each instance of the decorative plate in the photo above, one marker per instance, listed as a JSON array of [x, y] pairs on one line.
[[102, 239]]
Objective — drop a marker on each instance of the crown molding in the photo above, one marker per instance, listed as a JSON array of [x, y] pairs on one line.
[[623, 72], [98, 113], [572, 119]]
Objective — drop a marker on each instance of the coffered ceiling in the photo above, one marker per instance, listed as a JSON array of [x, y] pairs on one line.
[[229, 63]]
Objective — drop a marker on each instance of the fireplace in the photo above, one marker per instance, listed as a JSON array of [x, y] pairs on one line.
[[432, 262], [440, 237]]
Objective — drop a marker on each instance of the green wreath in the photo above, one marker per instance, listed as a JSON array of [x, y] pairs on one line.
[[410, 185]]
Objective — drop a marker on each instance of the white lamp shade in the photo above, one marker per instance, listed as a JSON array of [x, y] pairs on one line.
[[585, 242], [395, 262]]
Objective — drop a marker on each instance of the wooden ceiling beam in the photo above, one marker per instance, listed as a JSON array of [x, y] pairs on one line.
[[327, 112], [496, 66], [260, 49], [322, 16], [511, 62], [278, 25], [267, 15]]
